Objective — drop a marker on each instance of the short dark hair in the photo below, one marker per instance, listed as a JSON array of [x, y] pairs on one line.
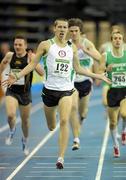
[[76, 22], [20, 37]]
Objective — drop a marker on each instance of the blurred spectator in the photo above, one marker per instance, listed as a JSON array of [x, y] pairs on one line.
[[4, 48]]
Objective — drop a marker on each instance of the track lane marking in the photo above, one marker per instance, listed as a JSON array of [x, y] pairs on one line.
[[19, 167], [103, 150]]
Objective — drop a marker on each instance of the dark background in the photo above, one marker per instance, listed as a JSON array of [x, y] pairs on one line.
[[34, 18]]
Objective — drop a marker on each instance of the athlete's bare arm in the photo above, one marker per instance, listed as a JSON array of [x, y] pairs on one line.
[[39, 69], [41, 50], [102, 66], [84, 71], [91, 50], [5, 61]]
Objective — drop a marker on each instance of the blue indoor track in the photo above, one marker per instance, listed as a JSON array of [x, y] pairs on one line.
[[93, 161]]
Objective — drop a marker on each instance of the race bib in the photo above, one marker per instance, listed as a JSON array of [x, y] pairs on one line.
[[118, 79], [61, 68], [21, 81]]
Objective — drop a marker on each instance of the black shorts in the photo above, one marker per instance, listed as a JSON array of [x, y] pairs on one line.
[[51, 97], [23, 98], [83, 88], [115, 96]]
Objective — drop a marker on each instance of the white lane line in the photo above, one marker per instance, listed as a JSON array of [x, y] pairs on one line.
[[120, 177], [48, 136], [65, 163], [53, 167], [68, 157], [8, 167], [120, 167], [55, 171], [33, 110], [53, 176], [2, 163], [119, 163], [103, 150], [119, 171]]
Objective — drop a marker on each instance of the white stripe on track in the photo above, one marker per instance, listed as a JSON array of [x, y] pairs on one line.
[[48, 136], [103, 150]]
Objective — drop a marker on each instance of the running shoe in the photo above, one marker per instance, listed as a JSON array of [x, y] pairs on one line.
[[60, 162], [116, 151], [124, 138], [9, 138], [25, 147], [75, 146]]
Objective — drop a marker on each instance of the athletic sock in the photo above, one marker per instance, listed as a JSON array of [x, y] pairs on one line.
[[114, 137], [77, 140], [124, 125]]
